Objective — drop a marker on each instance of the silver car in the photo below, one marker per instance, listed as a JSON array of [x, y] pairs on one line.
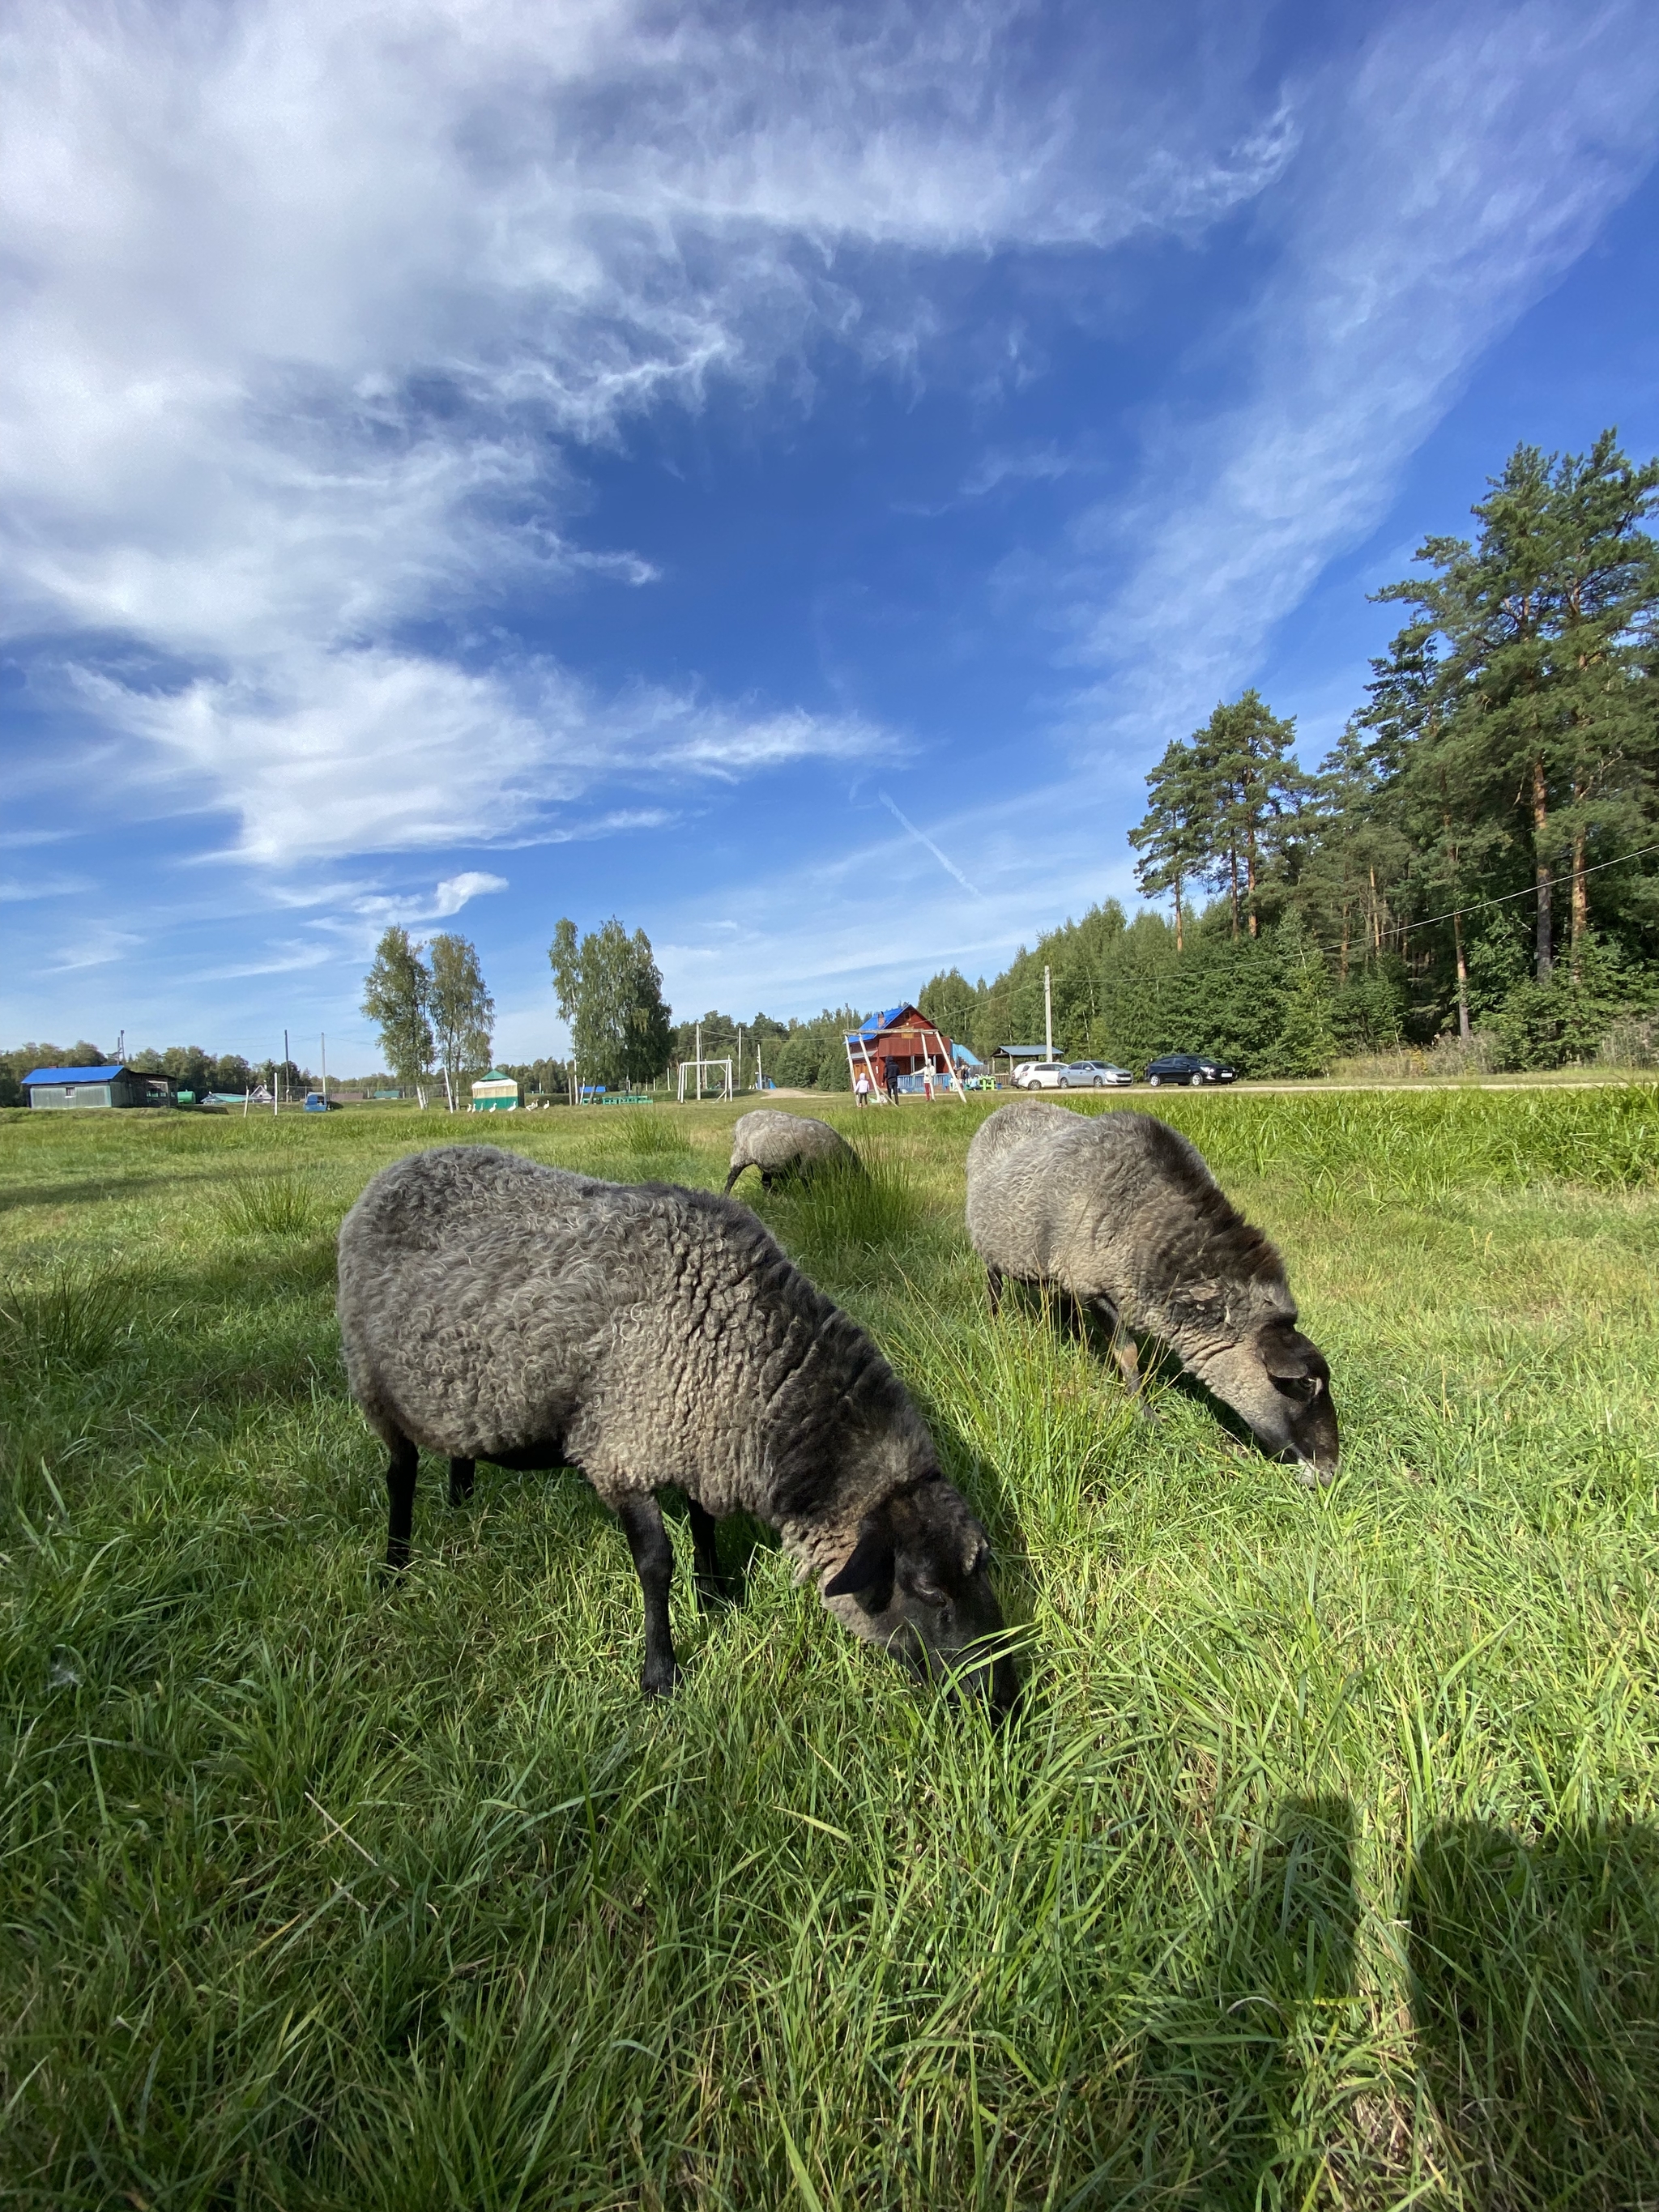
[[1092, 1075]]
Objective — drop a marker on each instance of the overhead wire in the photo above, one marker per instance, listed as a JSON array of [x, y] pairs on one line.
[[1405, 929]]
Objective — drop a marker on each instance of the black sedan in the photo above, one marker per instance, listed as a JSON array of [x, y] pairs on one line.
[[1187, 1067]]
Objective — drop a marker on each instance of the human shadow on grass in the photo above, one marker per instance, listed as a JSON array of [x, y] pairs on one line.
[[1535, 1995], [1231, 2060]]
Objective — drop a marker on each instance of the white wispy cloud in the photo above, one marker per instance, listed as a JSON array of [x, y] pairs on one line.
[[1442, 187], [308, 303], [326, 755]]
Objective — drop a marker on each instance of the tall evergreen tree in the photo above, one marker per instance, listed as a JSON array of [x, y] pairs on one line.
[[1541, 705], [1359, 851], [1173, 837], [1259, 791], [396, 993]]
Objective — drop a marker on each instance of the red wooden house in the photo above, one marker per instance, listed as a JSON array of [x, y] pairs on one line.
[[900, 1044]]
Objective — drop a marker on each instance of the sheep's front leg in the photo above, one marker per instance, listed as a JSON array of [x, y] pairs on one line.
[[1124, 1352], [712, 1587], [993, 1285], [400, 1496], [654, 1562], [461, 1471]]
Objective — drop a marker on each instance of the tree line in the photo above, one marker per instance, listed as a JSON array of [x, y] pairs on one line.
[[1479, 845]]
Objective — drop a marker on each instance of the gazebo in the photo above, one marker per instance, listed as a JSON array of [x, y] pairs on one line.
[[894, 1050], [496, 1093]]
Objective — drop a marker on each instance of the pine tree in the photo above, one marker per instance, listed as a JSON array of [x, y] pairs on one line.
[[1354, 854], [1259, 792], [1172, 838], [1541, 703]]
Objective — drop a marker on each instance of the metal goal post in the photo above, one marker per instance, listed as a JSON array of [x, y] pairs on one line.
[[713, 1077]]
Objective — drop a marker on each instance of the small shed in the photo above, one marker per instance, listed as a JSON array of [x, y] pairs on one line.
[[897, 1049], [113, 1085], [496, 1093]]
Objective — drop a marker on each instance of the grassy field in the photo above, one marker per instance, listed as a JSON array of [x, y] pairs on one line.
[[1324, 1868]]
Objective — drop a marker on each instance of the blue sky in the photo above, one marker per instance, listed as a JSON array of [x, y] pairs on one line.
[[778, 475]]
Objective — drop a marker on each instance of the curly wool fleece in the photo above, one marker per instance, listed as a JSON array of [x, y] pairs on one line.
[[494, 1309]]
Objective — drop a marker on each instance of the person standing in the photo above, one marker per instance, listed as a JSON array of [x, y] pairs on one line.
[[861, 1088], [927, 1079], [890, 1079]]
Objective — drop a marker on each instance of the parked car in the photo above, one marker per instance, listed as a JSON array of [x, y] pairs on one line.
[[1092, 1075], [1187, 1067], [1038, 1074]]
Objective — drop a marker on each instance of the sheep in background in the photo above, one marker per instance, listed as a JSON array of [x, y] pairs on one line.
[[782, 1144], [1121, 1212], [651, 1336]]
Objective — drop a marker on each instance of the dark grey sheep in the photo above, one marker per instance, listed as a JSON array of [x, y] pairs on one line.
[[786, 1144], [1121, 1213], [651, 1336]]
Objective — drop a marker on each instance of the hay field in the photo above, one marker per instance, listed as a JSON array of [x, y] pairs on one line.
[[1322, 1870]]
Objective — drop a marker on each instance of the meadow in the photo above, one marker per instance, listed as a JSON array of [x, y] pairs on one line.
[[1322, 1867]]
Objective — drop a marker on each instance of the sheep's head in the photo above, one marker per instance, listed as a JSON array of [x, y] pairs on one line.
[[1279, 1382], [916, 1582]]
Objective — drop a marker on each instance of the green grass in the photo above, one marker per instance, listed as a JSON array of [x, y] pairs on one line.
[[1323, 1869]]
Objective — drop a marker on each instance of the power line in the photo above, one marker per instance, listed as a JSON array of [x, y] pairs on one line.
[[1531, 890]]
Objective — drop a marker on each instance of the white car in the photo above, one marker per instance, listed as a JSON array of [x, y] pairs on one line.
[[1039, 1074], [1092, 1075]]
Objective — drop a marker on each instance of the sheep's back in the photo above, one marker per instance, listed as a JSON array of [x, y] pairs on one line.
[[1117, 1205], [768, 1138], [474, 1287], [658, 1334]]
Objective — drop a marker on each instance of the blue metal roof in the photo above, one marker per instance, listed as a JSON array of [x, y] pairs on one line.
[[876, 1023], [75, 1074]]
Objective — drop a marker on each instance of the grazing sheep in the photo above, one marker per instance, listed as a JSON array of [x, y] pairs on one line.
[[651, 1336], [782, 1144], [1121, 1213]]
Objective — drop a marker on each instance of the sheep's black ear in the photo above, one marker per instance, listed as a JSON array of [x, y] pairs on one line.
[[872, 1562]]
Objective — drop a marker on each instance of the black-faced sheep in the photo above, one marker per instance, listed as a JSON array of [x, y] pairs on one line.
[[782, 1144], [653, 1336], [1121, 1213]]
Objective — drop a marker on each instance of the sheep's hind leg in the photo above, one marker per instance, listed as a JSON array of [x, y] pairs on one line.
[[461, 1471], [400, 1496], [713, 1589], [993, 1286], [654, 1562]]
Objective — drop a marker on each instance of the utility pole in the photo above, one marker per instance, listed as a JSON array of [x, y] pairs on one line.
[[281, 1084], [699, 1049], [322, 1041], [1048, 1017], [740, 1055], [120, 1047]]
